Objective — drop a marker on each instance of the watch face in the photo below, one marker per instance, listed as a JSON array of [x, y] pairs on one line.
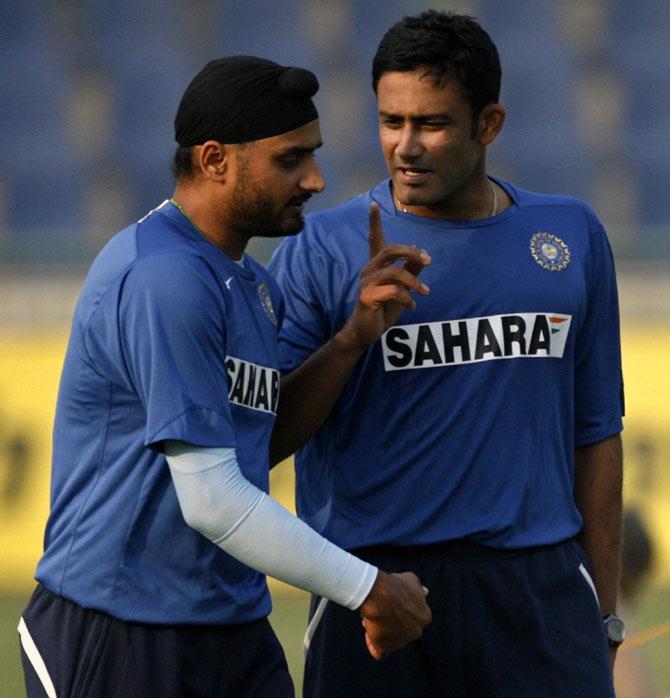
[[615, 629]]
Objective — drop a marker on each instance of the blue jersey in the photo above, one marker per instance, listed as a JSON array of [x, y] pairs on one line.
[[171, 339], [461, 421]]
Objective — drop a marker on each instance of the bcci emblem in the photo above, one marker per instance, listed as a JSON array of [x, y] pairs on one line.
[[266, 302], [549, 251]]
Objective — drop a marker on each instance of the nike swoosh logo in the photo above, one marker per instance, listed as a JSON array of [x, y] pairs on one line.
[[227, 282]]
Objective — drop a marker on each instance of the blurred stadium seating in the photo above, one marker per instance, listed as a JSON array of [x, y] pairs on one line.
[[90, 90]]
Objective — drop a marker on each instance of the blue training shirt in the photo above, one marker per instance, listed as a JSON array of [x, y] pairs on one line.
[[461, 421], [171, 339]]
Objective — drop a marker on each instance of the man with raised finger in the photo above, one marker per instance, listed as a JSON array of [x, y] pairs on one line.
[[477, 443]]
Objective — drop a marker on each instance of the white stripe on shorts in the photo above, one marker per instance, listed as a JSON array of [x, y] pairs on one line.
[[313, 624], [33, 654], [589, 581]]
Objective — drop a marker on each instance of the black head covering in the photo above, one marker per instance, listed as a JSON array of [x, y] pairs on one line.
[[243, 98]]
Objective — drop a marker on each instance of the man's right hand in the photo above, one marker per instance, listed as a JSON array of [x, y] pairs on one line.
[[386, 287], [309, 392], [394, 613]]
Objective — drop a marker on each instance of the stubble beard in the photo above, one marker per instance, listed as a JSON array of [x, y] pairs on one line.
[[255, 214]]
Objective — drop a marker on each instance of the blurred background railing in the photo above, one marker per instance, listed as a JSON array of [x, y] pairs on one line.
[[88, 94]]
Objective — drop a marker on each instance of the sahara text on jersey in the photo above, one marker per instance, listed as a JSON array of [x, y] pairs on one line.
[[475, 339]]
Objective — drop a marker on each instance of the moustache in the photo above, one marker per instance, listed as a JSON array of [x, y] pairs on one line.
[[299, 200]]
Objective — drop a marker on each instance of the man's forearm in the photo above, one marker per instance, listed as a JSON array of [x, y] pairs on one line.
[[309, 392], [598, 495]]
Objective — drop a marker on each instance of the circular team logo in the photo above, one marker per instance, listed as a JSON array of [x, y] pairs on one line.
[[549, 251], [266, 302]]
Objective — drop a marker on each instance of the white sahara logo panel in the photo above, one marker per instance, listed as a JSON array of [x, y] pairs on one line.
[[470, 340], [251, 385]]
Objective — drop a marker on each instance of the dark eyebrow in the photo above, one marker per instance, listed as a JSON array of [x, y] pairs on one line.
[[299, 150], [419, 118], [443, 116]]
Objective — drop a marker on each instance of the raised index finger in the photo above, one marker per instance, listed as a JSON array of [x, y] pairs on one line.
[[376, 235]]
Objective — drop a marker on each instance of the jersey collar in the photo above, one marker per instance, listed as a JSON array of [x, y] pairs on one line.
[[187, 228], [383, 195]]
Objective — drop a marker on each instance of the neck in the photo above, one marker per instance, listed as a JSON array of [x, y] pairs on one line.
[[201, 209], [475, 201]]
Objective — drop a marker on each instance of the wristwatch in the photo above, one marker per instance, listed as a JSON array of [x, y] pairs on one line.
[[614, 629]]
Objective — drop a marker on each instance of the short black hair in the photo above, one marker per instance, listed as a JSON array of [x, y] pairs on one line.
[[182, 162], [450, 46]]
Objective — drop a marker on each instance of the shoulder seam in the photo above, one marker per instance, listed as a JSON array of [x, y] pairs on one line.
[[321, 253], [123, 272]]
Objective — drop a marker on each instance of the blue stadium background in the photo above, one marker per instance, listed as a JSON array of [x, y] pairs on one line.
[[89, 90]]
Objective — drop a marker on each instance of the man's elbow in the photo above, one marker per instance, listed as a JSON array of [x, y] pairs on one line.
[[200, 520]]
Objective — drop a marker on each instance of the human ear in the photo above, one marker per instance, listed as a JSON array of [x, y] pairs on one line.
[[490, 123], [212, 160]]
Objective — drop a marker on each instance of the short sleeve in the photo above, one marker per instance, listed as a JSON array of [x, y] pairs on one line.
[[172, 334], [599, 400], [301, 276]]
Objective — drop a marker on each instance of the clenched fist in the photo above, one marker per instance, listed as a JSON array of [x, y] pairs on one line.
[[394, 613]]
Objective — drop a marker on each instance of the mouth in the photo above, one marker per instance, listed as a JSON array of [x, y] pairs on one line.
[[298, 203], [413, 175]]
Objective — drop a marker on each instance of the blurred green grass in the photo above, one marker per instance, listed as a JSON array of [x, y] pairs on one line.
[[651, 609], [289, 619], [11, 675]]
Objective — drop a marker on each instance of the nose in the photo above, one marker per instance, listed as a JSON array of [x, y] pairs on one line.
[[313, 181], [409, 144]]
